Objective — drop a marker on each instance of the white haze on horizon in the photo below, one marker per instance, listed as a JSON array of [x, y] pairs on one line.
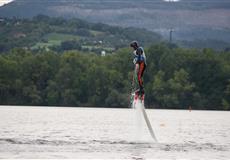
[[171, 0], [2, 2]]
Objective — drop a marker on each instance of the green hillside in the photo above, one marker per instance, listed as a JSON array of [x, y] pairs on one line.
[[58, 34]]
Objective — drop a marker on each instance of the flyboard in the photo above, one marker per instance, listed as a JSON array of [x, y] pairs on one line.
[[137, 100]]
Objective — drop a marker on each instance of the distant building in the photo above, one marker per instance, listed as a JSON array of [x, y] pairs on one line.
[[17, 23], [19, 35], [103, 53], [47, 49]]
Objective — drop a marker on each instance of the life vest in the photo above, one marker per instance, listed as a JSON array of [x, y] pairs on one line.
[[139, 56]]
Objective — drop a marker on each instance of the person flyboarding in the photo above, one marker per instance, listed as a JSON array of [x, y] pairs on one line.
[[140, 65], [137, 96]]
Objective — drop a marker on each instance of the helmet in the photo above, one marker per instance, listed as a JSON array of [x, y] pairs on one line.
[[134, 44]]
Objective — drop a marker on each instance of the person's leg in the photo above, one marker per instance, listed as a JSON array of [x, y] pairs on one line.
[[140, 75], [143, 71]]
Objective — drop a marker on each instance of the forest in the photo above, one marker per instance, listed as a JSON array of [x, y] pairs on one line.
[[175, 78], [55, 75]]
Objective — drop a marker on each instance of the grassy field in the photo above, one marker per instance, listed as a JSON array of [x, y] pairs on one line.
[[46, 44], [61, 37], [55, 39], [97, 33]]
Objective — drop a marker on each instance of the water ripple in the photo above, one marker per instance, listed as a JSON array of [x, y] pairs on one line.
[[156, 146]]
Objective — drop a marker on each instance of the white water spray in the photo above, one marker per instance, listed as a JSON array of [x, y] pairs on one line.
[[140, 117]]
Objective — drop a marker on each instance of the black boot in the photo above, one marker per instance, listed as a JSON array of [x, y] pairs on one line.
[[141, 91]]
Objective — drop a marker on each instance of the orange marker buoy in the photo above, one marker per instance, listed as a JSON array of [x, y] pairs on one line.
[[162, 124]]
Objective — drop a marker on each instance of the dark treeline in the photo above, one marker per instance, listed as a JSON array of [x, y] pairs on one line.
[[175, 78]]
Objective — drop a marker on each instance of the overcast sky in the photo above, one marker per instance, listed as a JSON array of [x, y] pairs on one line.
[[4, 2]]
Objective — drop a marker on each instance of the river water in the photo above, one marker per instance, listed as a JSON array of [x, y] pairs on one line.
[[62, 132]]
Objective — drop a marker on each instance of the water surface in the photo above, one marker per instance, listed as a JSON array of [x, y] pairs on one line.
[[61, 132]]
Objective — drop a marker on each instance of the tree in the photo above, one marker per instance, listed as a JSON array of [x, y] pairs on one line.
[[181, 89], [226, 100]]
